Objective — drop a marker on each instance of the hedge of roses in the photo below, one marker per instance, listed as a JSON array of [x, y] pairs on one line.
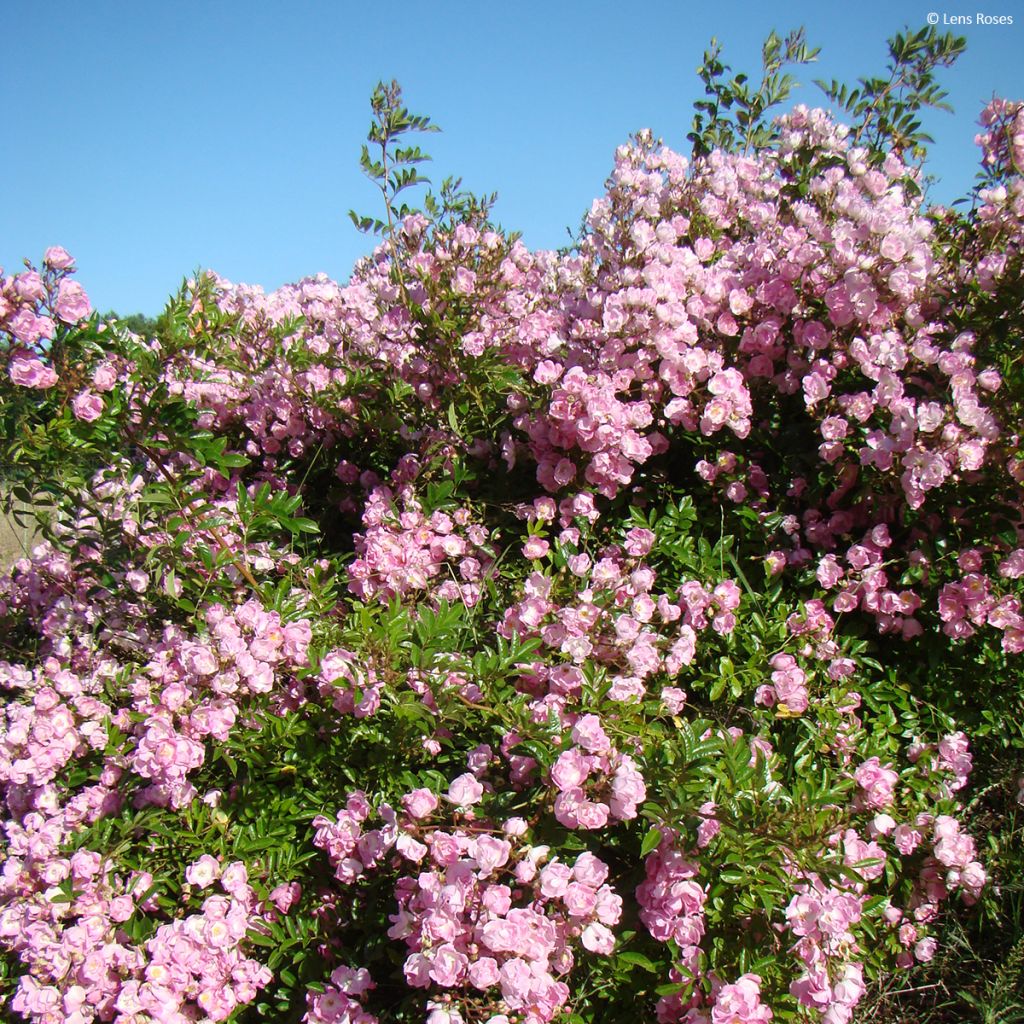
[[511, 636]]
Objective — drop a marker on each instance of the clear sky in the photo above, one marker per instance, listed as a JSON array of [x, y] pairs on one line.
[[151, 138]]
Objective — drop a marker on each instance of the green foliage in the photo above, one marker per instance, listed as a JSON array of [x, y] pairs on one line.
[[137, 323], [734, 118], [884, 112], [454, 205], [394, 168]]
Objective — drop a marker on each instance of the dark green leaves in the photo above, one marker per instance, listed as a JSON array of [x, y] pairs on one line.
[[885, 110], [733, 118], [390, 165]]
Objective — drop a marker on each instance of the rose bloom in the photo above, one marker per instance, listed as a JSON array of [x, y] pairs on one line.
[[591, 814], [29, 328], [234, 879], [29, 286], [29, 372], [587, 732], [535, 547], [878, 782], [590, 870], [673, 698], [87, 407], [72, 303], [137, 580], [598, 939], [203, 872], [58, 258], [285, 896], [419, 803], [465, 790], [104, 377]]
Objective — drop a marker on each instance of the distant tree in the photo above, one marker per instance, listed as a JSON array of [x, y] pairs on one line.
[[135, 322]]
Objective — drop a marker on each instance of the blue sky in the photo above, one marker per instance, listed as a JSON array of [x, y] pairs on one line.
[[153, 138]]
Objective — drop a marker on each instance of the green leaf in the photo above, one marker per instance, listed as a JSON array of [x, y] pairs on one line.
[[639, 960], [651, 841]]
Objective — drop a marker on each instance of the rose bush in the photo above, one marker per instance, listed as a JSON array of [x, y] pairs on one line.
[[519, 636]]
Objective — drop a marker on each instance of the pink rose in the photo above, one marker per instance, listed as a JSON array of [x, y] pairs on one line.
[[570, 770], [502, 936], [29, 286], [104, 377], [87, 407], [199, 659], [419, 803], [554, 879], [464, 282], [285, 896], [483, 973], [579, 564], [882, 824], [448, 965], [515, 827], [850, 986], [234, 879], [580, 900], [592, 815], [598, 939], [491, 853], [29, 372], [29, 328], [535, 547], [906, 839], [590, 870], [589, 734], [57, 258], [628, 789], [973, 877], [608, 908], [72, 303], [547, 372], [465, 790], [673, 698], [121, 908], [410, 849], [639, 542], [497, 899], [878, 783], [137, 580], [203, 872], [567, 805]]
